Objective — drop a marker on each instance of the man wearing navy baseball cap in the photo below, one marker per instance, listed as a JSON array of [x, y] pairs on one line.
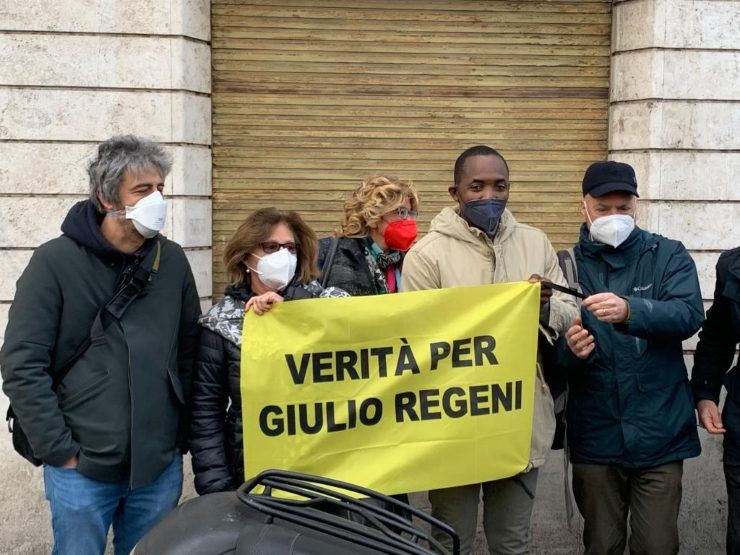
[[630, 412]]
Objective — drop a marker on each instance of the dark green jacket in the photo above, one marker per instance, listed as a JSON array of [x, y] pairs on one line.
[[630, 402], [121, 407]]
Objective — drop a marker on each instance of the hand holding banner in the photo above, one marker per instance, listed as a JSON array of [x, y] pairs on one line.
[[396, 393]]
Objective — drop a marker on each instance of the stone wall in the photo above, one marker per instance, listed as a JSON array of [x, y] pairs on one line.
[[73, 73], [675, 116]]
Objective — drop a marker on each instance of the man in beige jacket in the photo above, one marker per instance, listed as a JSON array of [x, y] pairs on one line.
[[479, 242]]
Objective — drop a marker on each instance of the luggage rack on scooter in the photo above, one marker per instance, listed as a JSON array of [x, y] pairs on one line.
[[365, 523]]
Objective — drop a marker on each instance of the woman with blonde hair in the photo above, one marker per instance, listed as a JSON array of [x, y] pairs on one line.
[[365, 257], [379, 226], [270, 258]]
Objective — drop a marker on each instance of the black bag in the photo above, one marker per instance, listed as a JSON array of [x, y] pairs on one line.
[[322, 516], [131, 284], [556, 376], [20, 441]]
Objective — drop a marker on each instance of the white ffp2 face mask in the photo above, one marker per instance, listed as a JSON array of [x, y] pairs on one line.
[[148, 215], [276, 270], [613, 229]]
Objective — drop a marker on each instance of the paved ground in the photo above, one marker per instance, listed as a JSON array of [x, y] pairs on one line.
[[24, 527]]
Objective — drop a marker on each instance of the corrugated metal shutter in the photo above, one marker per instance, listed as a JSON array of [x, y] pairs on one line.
[[310, 96]]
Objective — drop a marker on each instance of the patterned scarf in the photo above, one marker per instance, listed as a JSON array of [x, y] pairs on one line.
[[384, 267]]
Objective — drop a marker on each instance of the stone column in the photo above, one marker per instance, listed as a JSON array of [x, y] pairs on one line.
[[675, 116], [73, 73]]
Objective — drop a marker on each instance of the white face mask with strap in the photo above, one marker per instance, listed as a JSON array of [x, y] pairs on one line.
[[611, 230], [276, 270], [148, 215]]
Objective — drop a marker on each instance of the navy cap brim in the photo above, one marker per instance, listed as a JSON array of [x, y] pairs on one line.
[[606, 188]]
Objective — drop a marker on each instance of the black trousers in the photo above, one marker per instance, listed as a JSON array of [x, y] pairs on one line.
[[732, 479]]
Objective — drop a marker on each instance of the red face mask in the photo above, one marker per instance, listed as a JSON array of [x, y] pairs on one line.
[[399, 235]]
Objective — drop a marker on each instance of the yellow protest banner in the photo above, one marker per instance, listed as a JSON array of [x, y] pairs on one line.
[[396, 393]]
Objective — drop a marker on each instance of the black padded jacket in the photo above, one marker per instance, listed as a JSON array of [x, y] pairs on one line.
[[349, 270], [216, 406], [715, 352]]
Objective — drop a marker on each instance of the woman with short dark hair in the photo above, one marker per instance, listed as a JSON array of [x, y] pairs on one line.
[[270, 258]]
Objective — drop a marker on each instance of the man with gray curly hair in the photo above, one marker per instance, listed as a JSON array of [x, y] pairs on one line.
[[98, 354]]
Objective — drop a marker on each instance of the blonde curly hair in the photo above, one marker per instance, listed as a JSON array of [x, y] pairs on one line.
[[376, 196]]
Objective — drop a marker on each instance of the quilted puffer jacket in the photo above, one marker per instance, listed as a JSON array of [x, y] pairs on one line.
[[216, 404]]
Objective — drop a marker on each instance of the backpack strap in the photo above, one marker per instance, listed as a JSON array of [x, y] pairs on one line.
[[135, 278], [567, 262], [329, 262]]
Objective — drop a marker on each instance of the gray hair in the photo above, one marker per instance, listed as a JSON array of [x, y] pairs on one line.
[[118, 155]]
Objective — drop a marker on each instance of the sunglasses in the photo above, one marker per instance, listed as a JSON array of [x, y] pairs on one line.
[[273, 246]]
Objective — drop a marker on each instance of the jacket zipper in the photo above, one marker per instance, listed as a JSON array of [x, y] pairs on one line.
[[607, 279], [131, 401]]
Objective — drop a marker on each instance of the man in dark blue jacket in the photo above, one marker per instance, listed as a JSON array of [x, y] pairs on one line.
[[630, 410], [714, 355]]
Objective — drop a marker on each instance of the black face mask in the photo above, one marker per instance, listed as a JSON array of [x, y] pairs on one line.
[[485, 214]]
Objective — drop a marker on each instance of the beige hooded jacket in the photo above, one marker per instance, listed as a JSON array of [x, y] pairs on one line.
[[453, 254]]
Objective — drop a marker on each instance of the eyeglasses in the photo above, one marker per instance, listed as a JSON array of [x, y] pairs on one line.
[[273, 246], [403, 213]]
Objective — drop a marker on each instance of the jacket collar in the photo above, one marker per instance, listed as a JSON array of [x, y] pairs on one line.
[[82, 225], [226, 317], [625, 254], [240, 292], [352, 247], [734, 266]]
